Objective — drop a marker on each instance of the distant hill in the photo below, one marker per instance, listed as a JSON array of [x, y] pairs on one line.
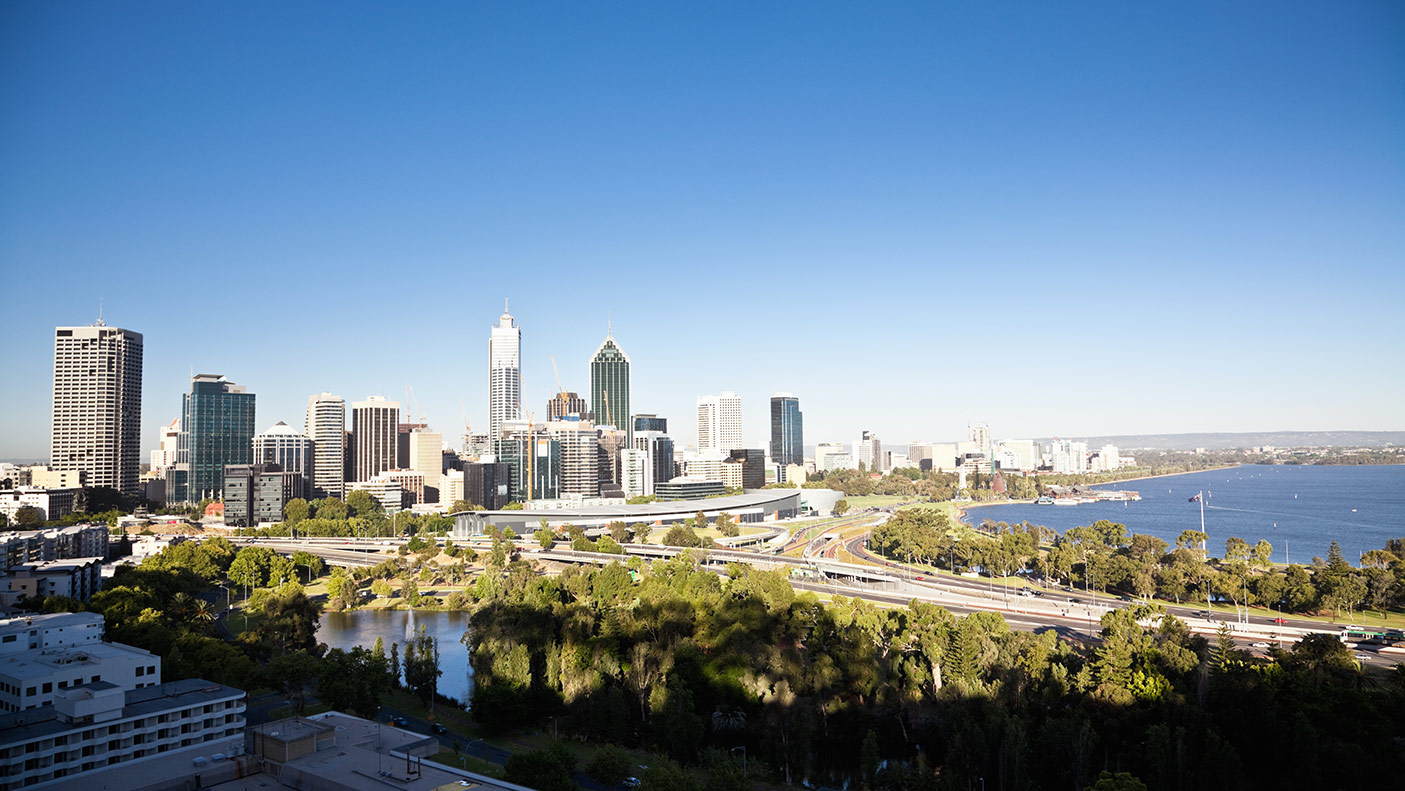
[[1251, 439]]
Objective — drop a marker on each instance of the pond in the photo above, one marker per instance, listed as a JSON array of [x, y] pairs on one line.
[[361, 627]]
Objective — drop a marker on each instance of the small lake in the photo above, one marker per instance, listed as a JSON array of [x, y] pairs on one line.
[[361, 627]]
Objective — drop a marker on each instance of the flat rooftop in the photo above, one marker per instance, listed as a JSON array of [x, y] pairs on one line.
[[22, 726], [369, 755], [41, 663]]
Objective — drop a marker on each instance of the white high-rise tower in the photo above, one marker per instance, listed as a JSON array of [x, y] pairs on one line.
[[96, 425], [719, 422], [326, 427], [504, 373]]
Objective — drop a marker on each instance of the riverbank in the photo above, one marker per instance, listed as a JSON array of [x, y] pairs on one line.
[[962, 510]]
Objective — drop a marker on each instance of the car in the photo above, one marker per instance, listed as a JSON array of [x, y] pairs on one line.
[[630, 782], [1201, 614], [1259, 644], [1280, 621], [1028, 593], [438, 728], [1353, 628], [397, 720], [1362, 657]]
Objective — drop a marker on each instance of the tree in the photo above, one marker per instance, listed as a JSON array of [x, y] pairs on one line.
[[545, 537], [354, 680], [642, 532], [422, 665], [609, 766], [841, 507], [296, 510], [361, 503], [330, 508], [29, 516], [868, 759], [543, 770]]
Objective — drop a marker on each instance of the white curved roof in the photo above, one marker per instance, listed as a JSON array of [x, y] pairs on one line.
[[283, 428]]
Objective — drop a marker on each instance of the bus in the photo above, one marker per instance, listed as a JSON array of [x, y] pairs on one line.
[[1374, 635]]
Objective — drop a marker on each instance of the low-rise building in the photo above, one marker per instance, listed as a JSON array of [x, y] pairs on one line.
[[42, 655], [256, 493], [76, 578], [52, 503], [99, 734]]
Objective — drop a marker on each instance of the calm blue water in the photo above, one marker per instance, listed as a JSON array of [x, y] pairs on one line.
[[1297, 509], [361, 627]]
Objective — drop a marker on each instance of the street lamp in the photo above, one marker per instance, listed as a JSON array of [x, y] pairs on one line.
[[743, 749]]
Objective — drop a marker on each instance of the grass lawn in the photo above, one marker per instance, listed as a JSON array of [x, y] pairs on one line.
[[878, 500]]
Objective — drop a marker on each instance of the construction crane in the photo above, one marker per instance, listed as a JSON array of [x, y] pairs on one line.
[[467, 432], [410, 396]]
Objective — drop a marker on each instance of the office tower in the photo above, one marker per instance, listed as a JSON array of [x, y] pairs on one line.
[[291, 451], [827, 456], [533, 459], [610, 443], [787, 434], [488, 484], [96, 421], [168, 444], [868, 451], [450, 488], [504, 373], [609, 385], [374, 435], [719, 422], [650, 423], [636, 474], [427, 459], [402, 442], [257, 493], [744, 468], [566, 403], [659, 447], [326, 427], [217, 430], [580, 456]]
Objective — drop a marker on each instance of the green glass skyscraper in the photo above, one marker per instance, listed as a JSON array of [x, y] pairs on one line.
[[217, 429], [609, 386]]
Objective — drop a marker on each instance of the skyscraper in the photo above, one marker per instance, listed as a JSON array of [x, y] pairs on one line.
[[375, 429], [504, 373], [719, 422], [787, 435], [868, 451], [609, 385], [566, 403], [580, 459], [650, 423], [96, 423], [326, 427], [291, 451], [427, 459], [659, 447], [217, 430]]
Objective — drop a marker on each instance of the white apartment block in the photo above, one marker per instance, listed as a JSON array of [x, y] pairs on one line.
[[868, 451], [96, 418], [637, 473], [326, 427], [1018, 454], [580, 456], [52, 503], [719, 422], [99, 724], [43, 655], [76, 578], [704, 465], [450, 488]]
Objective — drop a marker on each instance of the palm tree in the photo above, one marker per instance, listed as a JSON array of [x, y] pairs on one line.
[[203, 614], [728, 719], [179, 606]]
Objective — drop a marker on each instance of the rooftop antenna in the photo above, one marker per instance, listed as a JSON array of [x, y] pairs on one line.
[[609, 326], [504, 305], [100, 322]]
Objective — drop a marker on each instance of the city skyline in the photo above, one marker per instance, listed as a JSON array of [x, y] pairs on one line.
[[1148, 243]]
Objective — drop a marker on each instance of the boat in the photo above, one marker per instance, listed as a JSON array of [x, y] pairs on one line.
[[1045, 500], [1065, 501]]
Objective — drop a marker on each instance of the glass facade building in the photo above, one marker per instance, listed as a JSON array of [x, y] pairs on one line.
[[651, 423], [609, 386], [787, 431], [217, 430]]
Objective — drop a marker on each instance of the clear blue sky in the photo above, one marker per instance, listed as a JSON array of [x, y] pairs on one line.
[[1060, 218]]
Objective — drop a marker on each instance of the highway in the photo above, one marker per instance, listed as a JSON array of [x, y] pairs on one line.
[[1070, 613]]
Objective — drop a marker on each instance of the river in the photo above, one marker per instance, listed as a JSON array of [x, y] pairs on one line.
[[361, 627], [1299, 509]]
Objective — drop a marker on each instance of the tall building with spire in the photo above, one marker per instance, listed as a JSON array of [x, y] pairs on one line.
[[504, 373], [326, 427], [96, 422], [609, 385]]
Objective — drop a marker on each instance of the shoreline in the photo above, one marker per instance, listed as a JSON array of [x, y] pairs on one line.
[[961, 511]]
